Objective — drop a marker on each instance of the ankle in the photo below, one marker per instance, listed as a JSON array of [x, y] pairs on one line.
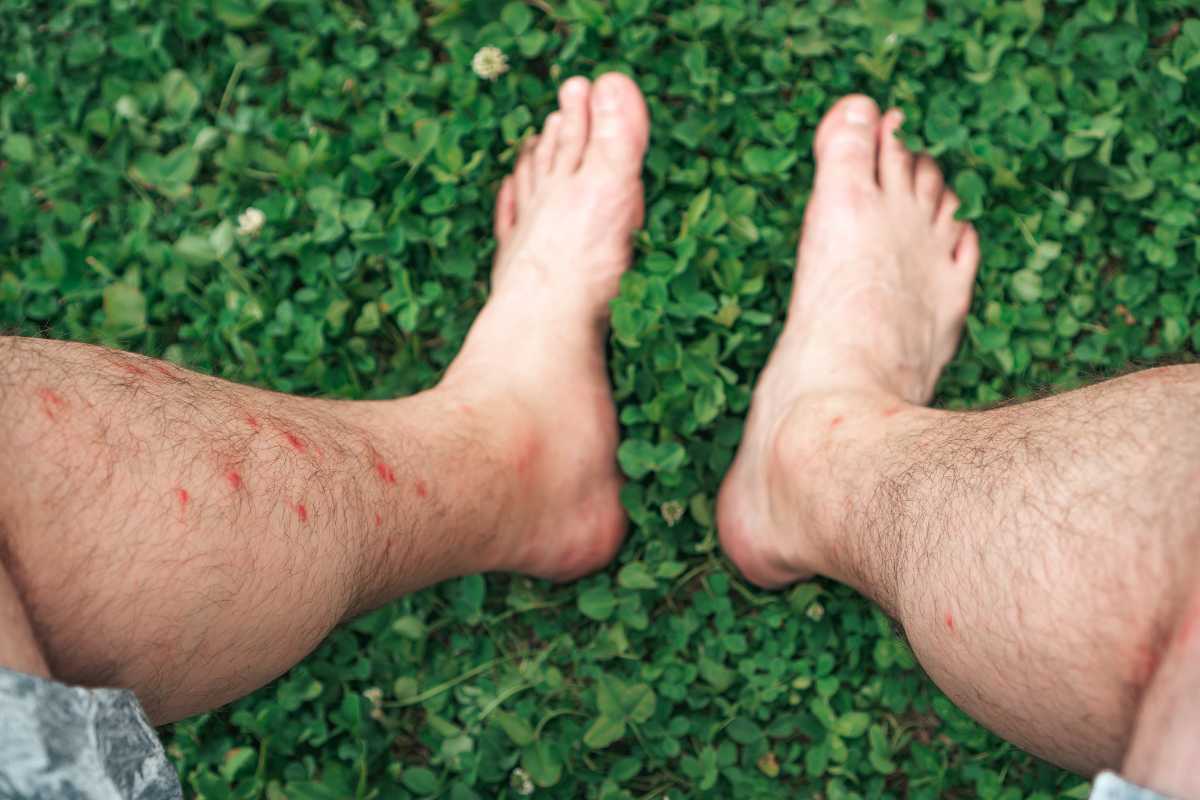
[[825, 465], [468, 440], [530, 482]]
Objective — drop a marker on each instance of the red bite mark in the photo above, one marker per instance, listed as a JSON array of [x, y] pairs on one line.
[[252, 421], [1145, 664], [235, 480], [295, 441], [833, 423], [161, 369], [52, 402], [302, 512], [950, 621], [891, 412], [422, 489], [184, 497], [385, 472], [1189, 630], [133, 369], [378, 519], [526, 456]]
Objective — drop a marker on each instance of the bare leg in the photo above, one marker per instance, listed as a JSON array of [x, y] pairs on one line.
[[19, 650], [1165, 749], [1038, 555], [191, 539]]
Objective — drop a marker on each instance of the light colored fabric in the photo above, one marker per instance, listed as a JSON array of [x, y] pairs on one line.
[[1110, 786], [59, 741]]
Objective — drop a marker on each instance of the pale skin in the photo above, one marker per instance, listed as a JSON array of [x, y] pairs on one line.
[[191, 539], [1040, 557]]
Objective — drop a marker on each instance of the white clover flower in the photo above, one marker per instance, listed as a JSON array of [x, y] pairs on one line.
[[21, 80], [251, 221], [489, 63], [672, 512], [520, 782], [374, 695], [815, 612], [127, 107]]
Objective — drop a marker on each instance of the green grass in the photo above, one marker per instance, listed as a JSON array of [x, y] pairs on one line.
[[145, 128]]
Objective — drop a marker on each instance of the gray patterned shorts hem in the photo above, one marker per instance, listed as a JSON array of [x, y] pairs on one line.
[[61, 742], [1110, 786]]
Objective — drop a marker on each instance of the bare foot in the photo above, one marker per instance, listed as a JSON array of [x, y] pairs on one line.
[[534, 360], [883, 284]]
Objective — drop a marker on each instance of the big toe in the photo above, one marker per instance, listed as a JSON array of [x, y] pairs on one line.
[[847, 141], [620, 126]]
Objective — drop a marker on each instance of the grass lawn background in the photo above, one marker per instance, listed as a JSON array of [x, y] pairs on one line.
[[133, 133]]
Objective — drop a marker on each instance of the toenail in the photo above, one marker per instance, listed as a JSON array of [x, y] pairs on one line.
[[575, 85], [608, 97], [857, 116], [858, 112]]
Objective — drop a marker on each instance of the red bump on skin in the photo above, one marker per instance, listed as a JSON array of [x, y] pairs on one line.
[[302, 512], [526, 456], [385, 472], [133, 369], [252, 421], [1145, 664], [833, 423], [378, 519], [422, 489], [183, 498], [1189, 630], [162, 370], [294, 441], [235, 480], [891, 412], [52, 402], [950, 621]]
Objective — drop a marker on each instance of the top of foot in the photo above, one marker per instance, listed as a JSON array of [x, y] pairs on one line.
[[564, 224], [884, 272], [565, 217], [883, 284]]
